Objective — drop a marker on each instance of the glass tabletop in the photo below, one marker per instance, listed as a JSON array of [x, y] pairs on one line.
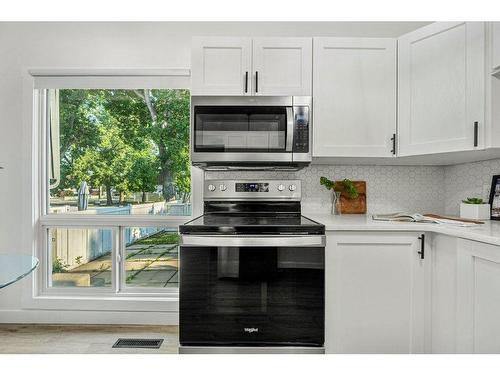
[[14, 267]]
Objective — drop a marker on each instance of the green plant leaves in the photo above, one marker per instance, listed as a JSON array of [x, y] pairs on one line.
[[346, 186], [473, 201]]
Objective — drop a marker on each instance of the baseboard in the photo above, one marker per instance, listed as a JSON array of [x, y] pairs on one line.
[[87, 317]]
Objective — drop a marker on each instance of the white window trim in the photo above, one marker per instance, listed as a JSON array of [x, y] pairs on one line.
[[37, 221], [176, 78]]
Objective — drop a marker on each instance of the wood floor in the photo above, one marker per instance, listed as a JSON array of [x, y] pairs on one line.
[[82, 339]]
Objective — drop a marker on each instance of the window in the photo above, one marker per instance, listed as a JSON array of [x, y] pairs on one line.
[[115, 185], [83, 257], [119, 152], [151, 260], [80, 257]]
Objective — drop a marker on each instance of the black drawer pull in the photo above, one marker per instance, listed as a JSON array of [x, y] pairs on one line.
[[476, 129], [393, 139], [422, 246]]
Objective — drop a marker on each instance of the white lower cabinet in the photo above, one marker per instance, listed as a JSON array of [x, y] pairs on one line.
[[443, 294], [375, 291], [382, 298], [478, 297], [465, 296]]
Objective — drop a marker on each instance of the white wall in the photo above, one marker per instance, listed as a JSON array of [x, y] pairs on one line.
[[102, 45]]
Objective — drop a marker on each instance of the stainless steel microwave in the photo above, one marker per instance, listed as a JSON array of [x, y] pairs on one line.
[[264, 132]]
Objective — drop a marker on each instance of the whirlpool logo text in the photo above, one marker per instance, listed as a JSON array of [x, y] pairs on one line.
[[251, 330]]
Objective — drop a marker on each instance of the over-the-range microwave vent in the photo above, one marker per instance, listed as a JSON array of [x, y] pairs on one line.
[[288, 167]]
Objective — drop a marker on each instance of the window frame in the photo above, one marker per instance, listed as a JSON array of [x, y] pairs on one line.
[[46, 265], [130, 298]]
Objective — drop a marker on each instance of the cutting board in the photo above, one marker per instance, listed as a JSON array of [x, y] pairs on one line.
[[354, 206]]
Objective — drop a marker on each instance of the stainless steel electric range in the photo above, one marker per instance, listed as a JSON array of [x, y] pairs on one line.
[[252, 271]]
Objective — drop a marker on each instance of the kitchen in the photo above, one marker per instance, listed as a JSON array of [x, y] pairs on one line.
[[372, 128], [407, 108]]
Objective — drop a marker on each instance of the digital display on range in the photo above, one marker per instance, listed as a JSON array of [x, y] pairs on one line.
[[254, 187]]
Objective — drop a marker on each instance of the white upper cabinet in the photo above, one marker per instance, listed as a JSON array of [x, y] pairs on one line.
[[354, 97], [441, 88], [246, 66], [221, 66], [495, 33], [282, 66]]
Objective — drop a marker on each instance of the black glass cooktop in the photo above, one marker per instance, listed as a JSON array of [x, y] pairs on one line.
[[252, 224]]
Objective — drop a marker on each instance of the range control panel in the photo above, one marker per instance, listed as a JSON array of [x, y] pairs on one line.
[[252, 189], [256, 187]]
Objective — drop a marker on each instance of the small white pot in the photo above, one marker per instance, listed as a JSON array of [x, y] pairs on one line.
[[475, 211]]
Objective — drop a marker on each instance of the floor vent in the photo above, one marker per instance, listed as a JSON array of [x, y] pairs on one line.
[[138, 343]]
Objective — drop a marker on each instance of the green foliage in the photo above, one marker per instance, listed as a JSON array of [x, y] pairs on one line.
[[346, 186], [126, 140], [163, 238], [143, 175], [473, 201], [58, 266]]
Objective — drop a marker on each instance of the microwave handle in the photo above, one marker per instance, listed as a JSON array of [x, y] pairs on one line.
[[289, 129]]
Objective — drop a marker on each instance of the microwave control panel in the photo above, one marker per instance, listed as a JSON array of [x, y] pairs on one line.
[[301, 129]]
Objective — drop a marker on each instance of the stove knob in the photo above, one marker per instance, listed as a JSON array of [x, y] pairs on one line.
[[211, 187], [222, 187], [281, 187], [292, 187]]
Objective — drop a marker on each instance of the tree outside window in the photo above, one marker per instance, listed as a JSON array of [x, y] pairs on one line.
[[131, 147]]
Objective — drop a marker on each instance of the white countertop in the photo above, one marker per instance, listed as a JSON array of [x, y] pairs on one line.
[[489, 232]]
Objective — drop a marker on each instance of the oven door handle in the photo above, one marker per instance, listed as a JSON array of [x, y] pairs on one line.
[[289, 129], [253, 241]]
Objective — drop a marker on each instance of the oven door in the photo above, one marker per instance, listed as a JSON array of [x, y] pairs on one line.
[[242, 133], [252, 290]]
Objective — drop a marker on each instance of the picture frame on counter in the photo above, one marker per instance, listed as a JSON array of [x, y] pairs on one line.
[[495, 197]]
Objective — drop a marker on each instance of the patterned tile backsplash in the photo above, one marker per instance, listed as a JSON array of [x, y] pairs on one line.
[[422, 189], [468, 180], [389, 188]]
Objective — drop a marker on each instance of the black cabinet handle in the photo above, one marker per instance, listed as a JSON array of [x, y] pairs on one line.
[[256, 81], [393, 139], [246, 82], [422, 246], [476, 129]]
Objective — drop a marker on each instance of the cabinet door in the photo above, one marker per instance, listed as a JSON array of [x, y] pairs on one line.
[[495, 36], [374, 293], [354, 96], [221, 66], [478, 298], [443, 295], [282, 66], [441, 88]]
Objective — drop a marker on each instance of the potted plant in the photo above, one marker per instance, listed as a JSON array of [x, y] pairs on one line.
[[474, 208], [345, 186]]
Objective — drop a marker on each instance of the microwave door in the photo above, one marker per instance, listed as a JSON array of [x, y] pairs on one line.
[[242, 134]]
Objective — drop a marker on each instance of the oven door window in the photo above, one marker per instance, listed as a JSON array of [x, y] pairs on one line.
[[240, 129], [252, 296]]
